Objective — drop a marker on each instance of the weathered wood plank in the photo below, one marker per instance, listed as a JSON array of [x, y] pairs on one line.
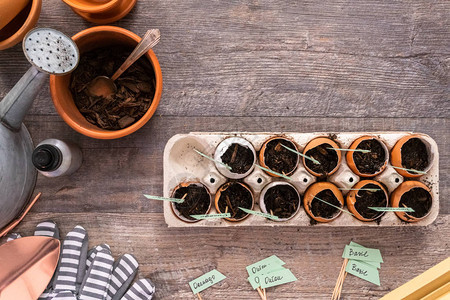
[[263, 58], [133, 165], [173, 257]]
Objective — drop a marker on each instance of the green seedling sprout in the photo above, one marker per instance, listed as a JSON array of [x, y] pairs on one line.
[[410, 170], [406, 209], [353, 150], [341, 209], [213, 160], [370, 190], [273, 172], [302, 155], [176, 200]]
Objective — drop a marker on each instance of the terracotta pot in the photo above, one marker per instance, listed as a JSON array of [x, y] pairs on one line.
[[173, 204], [87, 40], [262, 203], [223, 147], [262, 152], [315, 143], [351, 162], [101, 12], [397, 195], [315, 189], [352, 199], [13, 33], [218, 198], [396, 155]]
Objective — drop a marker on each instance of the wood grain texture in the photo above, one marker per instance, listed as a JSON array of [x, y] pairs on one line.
[[276, 65]]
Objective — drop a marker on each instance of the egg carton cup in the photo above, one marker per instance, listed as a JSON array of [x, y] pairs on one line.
[[183, 164]]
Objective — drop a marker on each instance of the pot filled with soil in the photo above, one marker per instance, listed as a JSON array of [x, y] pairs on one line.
[[413, 194], [412, 152], [365, 194], [327, 158], [103, 49], [275, 157], [373, 158], [319, 210], [230, 197], [197, 201], [280, 199], [237, 153]]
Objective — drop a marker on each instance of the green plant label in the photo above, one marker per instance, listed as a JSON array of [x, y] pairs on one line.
[[211, 216], [176, 200], [363, 271], [258, 213], [362, 253], [276, 278], [372, 263], [264, 265], [407, 209], [205, 281], [255, 279]]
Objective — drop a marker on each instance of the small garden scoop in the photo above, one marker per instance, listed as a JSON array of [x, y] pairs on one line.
[[50, 52]]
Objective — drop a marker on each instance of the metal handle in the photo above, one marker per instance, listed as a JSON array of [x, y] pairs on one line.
[[150, 39]]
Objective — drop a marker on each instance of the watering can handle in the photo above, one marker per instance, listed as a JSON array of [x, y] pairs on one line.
[[17, 102]]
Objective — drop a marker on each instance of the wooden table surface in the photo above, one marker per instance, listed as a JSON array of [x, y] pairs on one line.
[[276, 65]]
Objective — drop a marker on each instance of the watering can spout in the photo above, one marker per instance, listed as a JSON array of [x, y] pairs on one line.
[[17, 102]]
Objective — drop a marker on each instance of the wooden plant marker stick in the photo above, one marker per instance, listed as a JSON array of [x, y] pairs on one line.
[[353, 150], [212, 159], [340, 281], [199, 297], [302, 155], [410, 170], [260, 293], [265, 294]]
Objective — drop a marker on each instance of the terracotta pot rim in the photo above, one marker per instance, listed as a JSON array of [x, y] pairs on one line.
[[186, 184], [94, 8], [263, 149], [222, 188], [352, 164], [106, 17], [222, 148], [111, 134], [270, 185], [326, 140], [351, 207], [30, 21]]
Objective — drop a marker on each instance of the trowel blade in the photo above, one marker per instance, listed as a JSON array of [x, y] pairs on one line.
[[26, 266]]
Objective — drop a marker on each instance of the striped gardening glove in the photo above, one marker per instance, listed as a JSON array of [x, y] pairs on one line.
[[92, 275]]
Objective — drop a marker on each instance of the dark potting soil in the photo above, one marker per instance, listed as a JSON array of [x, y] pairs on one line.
[[278, 158], [282, 201], [327, 158], [320, 209], [135, 88], [418, 199], [371, 162], [414, 155], [196, 202], [239, 158], [235, 196], [366, 199]]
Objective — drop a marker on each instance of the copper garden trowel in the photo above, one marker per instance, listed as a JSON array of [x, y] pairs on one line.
[[26, 266]]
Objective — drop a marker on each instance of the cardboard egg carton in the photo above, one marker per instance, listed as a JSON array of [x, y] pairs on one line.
[[183, 164]]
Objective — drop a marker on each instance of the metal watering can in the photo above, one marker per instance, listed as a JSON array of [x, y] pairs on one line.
[[50, 52]]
